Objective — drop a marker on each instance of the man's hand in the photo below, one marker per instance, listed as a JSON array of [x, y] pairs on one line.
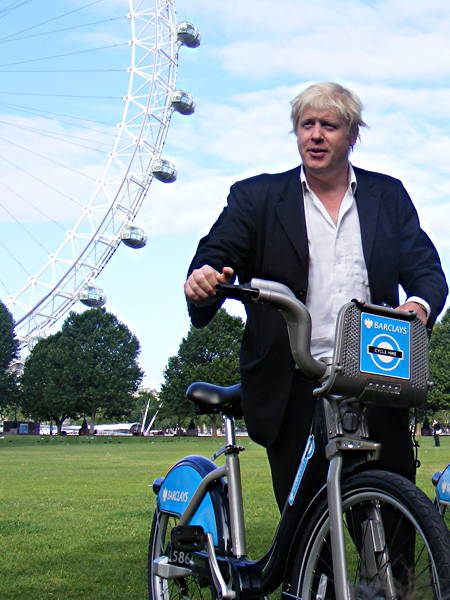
[[417, 308], [200, 286]]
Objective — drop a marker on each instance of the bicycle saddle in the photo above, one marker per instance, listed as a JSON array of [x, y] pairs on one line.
[[209, 398]]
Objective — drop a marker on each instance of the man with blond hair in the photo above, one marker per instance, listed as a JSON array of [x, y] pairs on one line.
[[330, 232]]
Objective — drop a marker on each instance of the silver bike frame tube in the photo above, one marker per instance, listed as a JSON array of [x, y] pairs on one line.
[[342, 588], [200, 494], [238, 540]]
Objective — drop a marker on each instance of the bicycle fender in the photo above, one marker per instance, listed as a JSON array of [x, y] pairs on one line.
[[443, 487], [179, 486]]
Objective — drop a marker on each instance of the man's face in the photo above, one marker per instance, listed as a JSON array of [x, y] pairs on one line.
[[324, 142]]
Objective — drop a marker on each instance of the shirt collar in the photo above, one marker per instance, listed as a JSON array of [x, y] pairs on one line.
[[352, 179]]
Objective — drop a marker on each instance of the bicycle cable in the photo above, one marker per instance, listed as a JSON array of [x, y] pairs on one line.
[[414, 441]]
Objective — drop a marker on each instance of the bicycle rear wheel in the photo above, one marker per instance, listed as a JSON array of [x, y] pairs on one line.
[[396, 543], [188, 587]]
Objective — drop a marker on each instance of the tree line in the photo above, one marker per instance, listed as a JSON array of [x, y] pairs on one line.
[[88, 366], [90, 369]]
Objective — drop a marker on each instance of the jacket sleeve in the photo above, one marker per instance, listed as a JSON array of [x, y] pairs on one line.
[[420, 270], [229, 243]]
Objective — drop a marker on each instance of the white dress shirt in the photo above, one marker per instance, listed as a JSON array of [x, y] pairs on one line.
[[337, 270]]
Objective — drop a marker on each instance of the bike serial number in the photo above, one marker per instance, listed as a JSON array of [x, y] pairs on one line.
[[178, 557]]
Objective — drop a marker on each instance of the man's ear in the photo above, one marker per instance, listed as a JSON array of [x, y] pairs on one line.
[[352, 137]]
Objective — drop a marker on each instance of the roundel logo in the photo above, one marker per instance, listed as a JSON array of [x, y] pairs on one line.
[[385, 352]]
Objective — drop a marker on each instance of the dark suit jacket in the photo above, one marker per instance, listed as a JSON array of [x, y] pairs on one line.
[[262, 233]]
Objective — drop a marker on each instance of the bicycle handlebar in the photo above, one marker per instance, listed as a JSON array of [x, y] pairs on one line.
[[295, 313]]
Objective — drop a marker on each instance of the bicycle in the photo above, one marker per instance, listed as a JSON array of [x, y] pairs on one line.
[[348, 539]]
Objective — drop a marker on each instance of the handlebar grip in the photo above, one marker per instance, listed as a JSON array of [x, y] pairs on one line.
[[386, 310], [243, 293]]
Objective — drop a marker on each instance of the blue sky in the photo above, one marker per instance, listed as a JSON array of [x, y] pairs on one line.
[[254, 57]]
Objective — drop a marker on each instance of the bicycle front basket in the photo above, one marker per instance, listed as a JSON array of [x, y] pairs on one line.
[[380, 356]]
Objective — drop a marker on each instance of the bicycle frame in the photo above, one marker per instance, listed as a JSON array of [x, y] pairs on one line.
[[339, 428], [266, 574]]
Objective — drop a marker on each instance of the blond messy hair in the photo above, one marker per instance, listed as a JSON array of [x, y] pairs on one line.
[[327, 95]]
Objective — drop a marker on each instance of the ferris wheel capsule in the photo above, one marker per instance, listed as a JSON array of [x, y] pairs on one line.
[[16, 368], [183, 102], [133, 236], [164, 170], [143, 112], [92, 296], [188, 34]]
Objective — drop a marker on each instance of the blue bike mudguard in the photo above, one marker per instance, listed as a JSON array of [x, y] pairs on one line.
[[443, 486], [179, 486]]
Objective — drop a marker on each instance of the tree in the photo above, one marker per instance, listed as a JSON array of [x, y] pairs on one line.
[[207, 354], [90, 365], [103, 362], [47, 394], [9, 351], [439, 396]]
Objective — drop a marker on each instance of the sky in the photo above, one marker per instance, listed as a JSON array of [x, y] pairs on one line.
[[253, 59]]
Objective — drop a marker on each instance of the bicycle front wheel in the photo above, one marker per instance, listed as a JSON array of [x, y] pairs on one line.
[[186, 587], [397, 546]]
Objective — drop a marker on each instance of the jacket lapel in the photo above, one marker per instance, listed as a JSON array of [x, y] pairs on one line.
[[291, 212], [368, 203]]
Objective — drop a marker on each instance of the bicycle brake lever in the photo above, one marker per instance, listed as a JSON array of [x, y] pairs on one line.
[[243, 293]]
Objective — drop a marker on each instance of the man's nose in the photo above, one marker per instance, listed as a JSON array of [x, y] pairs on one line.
[[316, 133]]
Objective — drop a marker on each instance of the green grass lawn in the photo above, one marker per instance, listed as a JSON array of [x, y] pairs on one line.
[[75, 512]]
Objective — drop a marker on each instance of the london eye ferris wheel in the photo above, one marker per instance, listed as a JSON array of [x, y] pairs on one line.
[[87, 96]]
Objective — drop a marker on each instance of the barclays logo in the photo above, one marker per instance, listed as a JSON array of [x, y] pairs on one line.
[[175, 495], [391, 327]]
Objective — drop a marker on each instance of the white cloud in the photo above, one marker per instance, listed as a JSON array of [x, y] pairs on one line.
[[334, 54], [389, 41], [190, 205]]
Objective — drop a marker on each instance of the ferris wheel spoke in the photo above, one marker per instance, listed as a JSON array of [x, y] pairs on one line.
[[134, 158], [19, 3]]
